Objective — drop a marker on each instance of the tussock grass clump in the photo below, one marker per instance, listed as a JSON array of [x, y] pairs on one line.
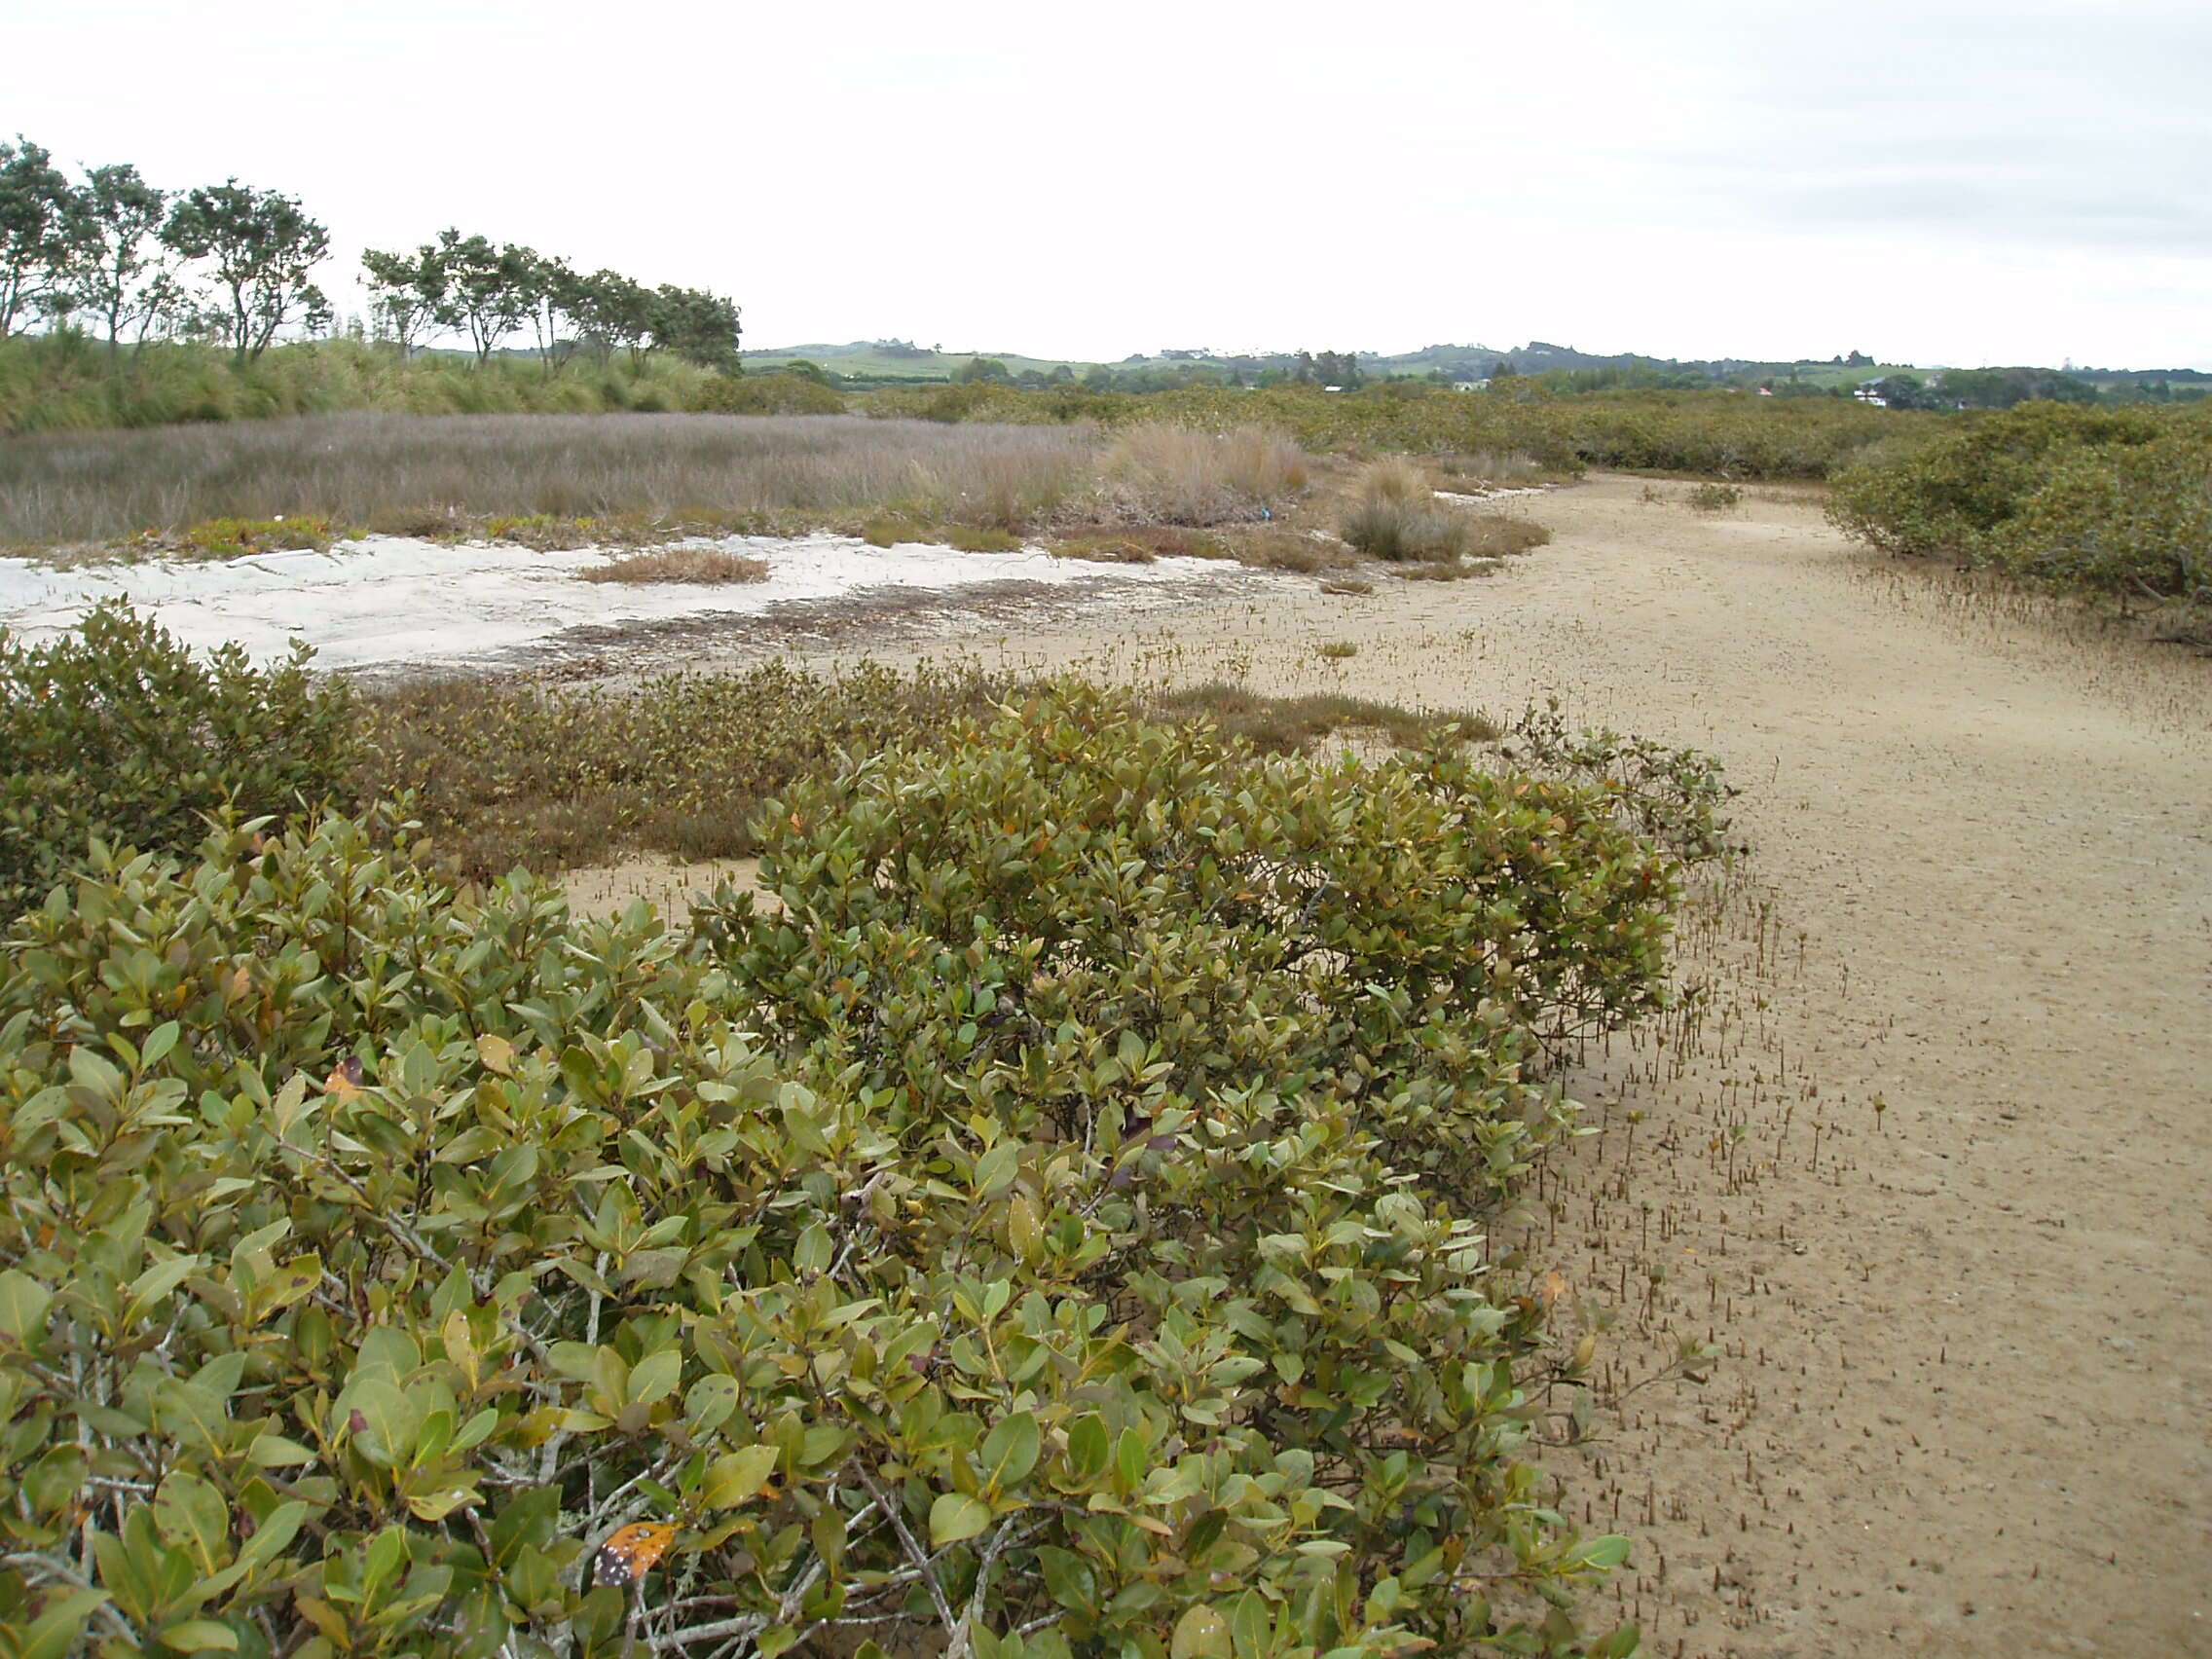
[[1186, 475], [890, 530], [1394, 515], [701, 567], [1337, 651], [1711, 497], [1277, 547], [981, 539], [236, 538]]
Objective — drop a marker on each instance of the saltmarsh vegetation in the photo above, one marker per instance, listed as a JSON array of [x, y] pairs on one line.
[[598, 480], [1055, 1228], [441, 476]]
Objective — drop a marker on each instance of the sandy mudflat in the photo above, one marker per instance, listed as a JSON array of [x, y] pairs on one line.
[[1967, 1403]]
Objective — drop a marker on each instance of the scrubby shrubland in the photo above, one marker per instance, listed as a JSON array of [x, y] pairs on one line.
[[1056, 1229], [2109, 502], [65, 382]]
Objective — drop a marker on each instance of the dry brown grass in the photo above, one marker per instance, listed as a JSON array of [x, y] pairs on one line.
[[697, 566], [1493, 467], [1173, 474]]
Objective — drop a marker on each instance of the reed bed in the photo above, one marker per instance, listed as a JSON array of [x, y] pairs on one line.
[[387, 471]]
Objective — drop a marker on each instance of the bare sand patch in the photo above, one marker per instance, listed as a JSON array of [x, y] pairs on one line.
[[667, 884]]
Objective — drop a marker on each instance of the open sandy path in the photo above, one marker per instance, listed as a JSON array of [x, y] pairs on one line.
[[1969, 1387]]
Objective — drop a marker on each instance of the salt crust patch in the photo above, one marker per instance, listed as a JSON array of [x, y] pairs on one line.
[[389, 601]]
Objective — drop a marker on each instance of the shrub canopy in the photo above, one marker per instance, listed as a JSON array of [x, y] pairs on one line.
[[1054, 1229]]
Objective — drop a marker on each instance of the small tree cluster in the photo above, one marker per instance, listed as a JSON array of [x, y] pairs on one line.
[[234, 264], [225, 262], [487, 294]]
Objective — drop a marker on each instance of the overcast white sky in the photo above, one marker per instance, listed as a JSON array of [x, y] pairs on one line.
[[1936, 181]]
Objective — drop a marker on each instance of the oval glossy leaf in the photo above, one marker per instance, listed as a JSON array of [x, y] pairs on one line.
[[954, 1517], [1010, 1450]]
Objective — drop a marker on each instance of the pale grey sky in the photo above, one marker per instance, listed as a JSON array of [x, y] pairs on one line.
[[1933, 180]]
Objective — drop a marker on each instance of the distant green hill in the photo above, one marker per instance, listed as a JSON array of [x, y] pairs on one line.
[[897, 360]]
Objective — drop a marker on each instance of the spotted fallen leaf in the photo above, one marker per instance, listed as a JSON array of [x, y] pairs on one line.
[[630, 1553], [345, 1078]]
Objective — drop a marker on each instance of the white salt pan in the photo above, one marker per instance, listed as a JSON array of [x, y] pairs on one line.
[[387, 601]]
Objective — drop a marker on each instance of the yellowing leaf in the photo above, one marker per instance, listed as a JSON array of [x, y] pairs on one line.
[[954, 1517]]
